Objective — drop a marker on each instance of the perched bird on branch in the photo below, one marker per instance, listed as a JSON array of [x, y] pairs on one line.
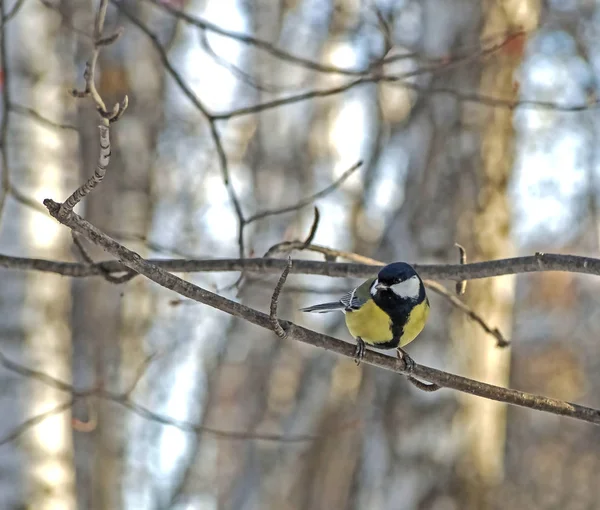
[[385, 312]]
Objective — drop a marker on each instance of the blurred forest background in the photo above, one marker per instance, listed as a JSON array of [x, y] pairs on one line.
[[476, 122]]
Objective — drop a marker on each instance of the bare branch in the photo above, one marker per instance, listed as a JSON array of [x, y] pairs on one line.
[[35, 420], [142, 369], [90, 69], [23, 199], [109, 39], [313, 229], [34, 374], [402, 79], [107, 116], [275, 300], [187, 426], [308, 200], [455, 272], [199, 105], [331, 255], [161, 277], [12, 13], [124, 400], [253, 41], [467, 310], [496, 42], [33, 114]]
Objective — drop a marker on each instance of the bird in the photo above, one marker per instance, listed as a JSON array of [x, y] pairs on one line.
[[386, 312]]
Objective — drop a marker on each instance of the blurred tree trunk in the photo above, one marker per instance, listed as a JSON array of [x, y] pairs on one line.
[[13, 240], [41, 164], [247, 391], [263, 384], [485, 231], [408, 446], [110, 321]]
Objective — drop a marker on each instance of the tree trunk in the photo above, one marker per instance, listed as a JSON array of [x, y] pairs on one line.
[[485, 231]]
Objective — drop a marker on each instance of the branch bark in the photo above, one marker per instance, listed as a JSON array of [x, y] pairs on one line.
[[530, 264]]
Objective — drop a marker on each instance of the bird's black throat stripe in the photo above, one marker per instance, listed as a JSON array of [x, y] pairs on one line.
[[399, 309]]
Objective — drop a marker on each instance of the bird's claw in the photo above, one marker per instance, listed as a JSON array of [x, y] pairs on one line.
[[407, 361], [359, 351]]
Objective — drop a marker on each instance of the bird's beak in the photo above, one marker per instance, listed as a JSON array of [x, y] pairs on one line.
[[381, 286]]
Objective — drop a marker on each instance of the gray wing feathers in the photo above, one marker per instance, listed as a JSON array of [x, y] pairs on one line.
[[351, 301], [325, 307], [347, 303]]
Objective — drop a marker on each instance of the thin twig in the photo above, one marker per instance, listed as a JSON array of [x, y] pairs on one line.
[[427, 387], [504, 39], [34, 374], [140, 372], [461, 287], [313, 228], [308, 200], [137, 263], [275, 300], [332, 255], [90, 90], [23, 199], [108, 117], [12, 13], [123, 399], [402, 79], [438, 288], [253, 41], [33, 114], [197, 429], [203, 109], [35, 420], [99, 173]]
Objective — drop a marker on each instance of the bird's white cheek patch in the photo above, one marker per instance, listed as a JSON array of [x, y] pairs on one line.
[[408, 288]]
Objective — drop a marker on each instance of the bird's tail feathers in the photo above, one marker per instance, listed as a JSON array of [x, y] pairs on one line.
[[324, 307]]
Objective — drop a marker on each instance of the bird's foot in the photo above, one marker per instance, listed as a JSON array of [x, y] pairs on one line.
[[359, 351], [407, 361]]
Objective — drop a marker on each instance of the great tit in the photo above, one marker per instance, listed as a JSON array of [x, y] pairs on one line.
[[385, 312]]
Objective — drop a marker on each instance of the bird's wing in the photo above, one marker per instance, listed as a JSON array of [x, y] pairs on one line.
[[357, 297], [347, 303]]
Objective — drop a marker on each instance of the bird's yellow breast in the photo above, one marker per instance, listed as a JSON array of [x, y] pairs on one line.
[[370, 323], [415, 323], [374, 326]]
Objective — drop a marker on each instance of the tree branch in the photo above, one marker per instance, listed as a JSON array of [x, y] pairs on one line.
[[455, 272], [293, 331]]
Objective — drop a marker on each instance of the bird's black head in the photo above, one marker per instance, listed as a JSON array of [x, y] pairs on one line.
[[395, 273], [397, 281]]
